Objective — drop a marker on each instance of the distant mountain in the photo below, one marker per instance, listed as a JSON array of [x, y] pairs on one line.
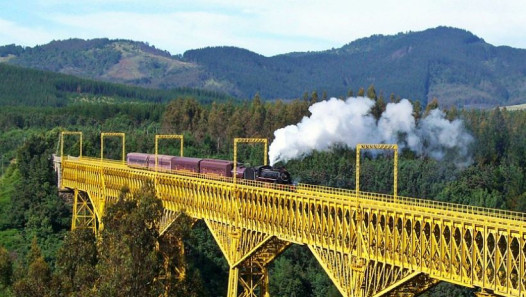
[[451, 64]]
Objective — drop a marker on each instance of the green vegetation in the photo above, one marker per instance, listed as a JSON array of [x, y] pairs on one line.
[[119, 61], [39, 257], [126, 262], [27, 87], [11, 238], [453, 65]]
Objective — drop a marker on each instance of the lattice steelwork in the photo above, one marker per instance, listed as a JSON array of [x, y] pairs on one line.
[[406, 245]]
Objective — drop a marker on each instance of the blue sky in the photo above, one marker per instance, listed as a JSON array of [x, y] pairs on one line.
[[268, 27]]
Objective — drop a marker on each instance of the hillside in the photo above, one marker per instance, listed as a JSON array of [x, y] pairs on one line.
[[451, 64], [119, 61], [28, 87]]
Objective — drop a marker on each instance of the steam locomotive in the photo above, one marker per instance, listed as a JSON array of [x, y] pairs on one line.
[[224, 168]]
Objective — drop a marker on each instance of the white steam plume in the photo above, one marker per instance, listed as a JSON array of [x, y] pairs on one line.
[[337, 122]]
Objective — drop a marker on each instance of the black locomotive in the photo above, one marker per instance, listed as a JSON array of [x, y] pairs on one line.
[[268, 174]]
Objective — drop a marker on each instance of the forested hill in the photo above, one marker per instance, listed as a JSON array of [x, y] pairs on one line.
[[450, 64], [28, 87]]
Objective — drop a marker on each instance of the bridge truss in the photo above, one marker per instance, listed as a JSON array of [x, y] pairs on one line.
[[369, 244]]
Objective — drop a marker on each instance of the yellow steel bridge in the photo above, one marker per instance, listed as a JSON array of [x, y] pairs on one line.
[[369, 244]]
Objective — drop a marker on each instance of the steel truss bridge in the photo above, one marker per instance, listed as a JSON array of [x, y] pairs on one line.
[[369, 244]]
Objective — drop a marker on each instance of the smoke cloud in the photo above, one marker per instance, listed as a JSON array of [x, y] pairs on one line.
[[337, 122]]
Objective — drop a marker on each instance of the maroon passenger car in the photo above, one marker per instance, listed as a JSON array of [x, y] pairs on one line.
[[137, 159], [217, 167], [186, 163], [164, 162]]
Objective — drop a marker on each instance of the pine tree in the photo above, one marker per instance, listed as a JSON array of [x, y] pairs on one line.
[[361, 92], [430, 106], [6, 269], [129, 263], [314, 97], [378, 108], [371, 93], [257, 118], [76, 262], [417, 110], [37, 281]]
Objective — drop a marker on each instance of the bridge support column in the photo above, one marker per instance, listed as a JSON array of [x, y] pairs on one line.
[[83, 216], [248, 253], [233, 278], [251, 277], [359, 277]]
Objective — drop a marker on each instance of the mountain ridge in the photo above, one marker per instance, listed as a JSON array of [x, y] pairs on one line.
[[453, 65]]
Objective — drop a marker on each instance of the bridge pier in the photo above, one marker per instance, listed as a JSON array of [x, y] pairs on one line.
[[248, 254], [251, 278], [359, 277], [83, 212]]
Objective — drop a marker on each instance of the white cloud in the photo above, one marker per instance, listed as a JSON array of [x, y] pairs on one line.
[[13, 33], [267, 27], [175, 32], [181, 31]]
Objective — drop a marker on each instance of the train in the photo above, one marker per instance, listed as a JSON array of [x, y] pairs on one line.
[[224, 168]]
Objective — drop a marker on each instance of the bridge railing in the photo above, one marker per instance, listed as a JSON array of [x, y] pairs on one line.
[[445, 206], [416, 202], [337, 193]]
